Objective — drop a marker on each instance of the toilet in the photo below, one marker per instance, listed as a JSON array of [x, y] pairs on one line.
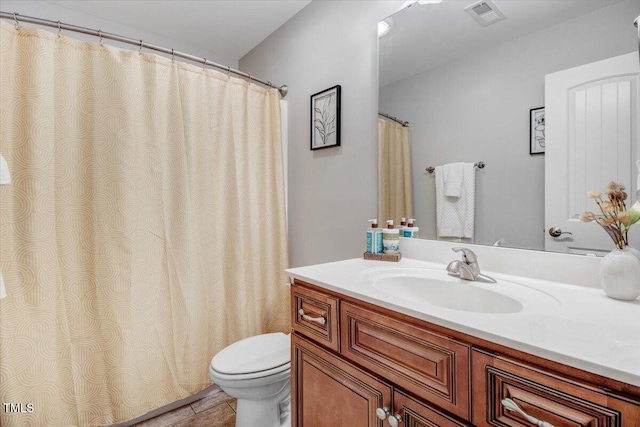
[[257, 372]]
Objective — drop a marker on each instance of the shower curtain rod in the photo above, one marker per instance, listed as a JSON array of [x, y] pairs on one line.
[[142, 45], [395, 119]]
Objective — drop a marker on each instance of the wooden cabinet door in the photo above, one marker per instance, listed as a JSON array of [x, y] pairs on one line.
[[327, 392], [413, 413]]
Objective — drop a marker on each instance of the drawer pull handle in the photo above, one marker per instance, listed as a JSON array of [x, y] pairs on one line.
[[394, 420], [321, 320], [510, 405], [382, 413]]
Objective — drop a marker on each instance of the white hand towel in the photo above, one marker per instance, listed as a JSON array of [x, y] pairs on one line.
[[455, 217], [453, 179], [5, 178]]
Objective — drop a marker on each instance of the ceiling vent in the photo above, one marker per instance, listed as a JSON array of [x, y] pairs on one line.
[[485, 12]]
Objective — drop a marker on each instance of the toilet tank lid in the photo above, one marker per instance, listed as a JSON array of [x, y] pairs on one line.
[[254, 354]]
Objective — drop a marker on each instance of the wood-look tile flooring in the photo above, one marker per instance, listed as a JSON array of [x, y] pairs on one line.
[[218, 410]]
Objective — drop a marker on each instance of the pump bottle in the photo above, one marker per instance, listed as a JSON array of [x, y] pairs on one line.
[[374, 238], [391, 239]]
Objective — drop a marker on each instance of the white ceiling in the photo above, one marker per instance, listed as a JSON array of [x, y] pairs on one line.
[[423, 37], [228, 28]]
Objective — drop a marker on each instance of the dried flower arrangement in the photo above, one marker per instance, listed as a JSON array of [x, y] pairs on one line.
[[615, 219]]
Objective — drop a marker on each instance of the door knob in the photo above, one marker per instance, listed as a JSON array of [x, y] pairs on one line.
[[394, 420], [556, 232], [382, 413]]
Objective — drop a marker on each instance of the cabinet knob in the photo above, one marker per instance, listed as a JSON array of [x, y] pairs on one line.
[[512, 406], [394, 420], [321, 320], [382, 413]]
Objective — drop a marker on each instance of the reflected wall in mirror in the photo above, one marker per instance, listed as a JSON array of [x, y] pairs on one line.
[[467, 91]]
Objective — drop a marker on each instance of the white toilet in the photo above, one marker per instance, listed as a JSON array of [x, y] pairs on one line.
[[257, 372]]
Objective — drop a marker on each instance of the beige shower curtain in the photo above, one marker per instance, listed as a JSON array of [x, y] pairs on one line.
[[143, 231], [395, 189]]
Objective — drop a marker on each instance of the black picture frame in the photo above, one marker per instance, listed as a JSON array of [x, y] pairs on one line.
[[325, 118], [537, 123]]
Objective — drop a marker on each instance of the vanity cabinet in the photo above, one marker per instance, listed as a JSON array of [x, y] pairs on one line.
[[352, 360]]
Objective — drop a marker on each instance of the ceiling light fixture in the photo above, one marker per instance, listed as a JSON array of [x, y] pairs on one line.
[[383, 28]]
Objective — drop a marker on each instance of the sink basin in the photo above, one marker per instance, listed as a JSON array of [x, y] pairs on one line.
[[436, 288]]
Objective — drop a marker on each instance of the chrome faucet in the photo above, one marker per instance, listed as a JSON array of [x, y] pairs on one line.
[[467, 268]]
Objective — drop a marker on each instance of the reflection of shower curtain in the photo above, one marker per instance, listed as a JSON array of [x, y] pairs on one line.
[[394, 172], [144, 229]]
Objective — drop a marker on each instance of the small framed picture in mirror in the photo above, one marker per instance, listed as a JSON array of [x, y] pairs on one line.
[[325, 118], [536, 131]]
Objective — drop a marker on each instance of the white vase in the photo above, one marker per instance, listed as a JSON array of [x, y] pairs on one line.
[[620, 275]]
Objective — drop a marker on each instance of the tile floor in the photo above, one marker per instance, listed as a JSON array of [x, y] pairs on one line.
[[218, 410]]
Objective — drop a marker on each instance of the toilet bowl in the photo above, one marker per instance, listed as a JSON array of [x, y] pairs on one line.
[[257, 372]]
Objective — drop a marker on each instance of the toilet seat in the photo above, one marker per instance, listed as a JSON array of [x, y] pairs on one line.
[[253, 357]]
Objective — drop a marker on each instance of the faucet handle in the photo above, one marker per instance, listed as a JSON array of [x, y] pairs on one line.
[[467, 254]]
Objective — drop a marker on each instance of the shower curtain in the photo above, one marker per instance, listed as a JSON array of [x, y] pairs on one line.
[[395, 189], [143, 231]]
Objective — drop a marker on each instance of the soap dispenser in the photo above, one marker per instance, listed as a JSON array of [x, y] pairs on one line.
[[411, 230], [374, 238], [402, 226], [391, 239]]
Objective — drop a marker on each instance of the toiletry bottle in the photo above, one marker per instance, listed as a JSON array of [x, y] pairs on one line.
[[374, 238], [411, 230], [402, 226], [391, 239]]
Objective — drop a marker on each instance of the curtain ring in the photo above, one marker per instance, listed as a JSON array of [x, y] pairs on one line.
[[249, 78], [15, 18], [140, 50], [204, 63], [228, 71], [59, 30], [100, 35], [172, 55]]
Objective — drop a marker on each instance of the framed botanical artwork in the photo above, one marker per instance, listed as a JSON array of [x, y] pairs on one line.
[[536, 131], [325, 118]]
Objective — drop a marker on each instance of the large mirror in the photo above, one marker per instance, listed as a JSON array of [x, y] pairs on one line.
[[544, 93]]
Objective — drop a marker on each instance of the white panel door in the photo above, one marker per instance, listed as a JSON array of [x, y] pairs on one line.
[[591, 139]]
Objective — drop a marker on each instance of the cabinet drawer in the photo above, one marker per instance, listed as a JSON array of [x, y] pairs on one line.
[[542, 395], [433, 367], [329, 392], [315, 315]]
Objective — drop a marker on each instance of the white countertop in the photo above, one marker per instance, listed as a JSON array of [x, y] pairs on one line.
[[569, 324]]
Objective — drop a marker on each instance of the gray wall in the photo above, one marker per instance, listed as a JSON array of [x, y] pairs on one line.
[[477, 108], [53, 12], [332, 192]]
